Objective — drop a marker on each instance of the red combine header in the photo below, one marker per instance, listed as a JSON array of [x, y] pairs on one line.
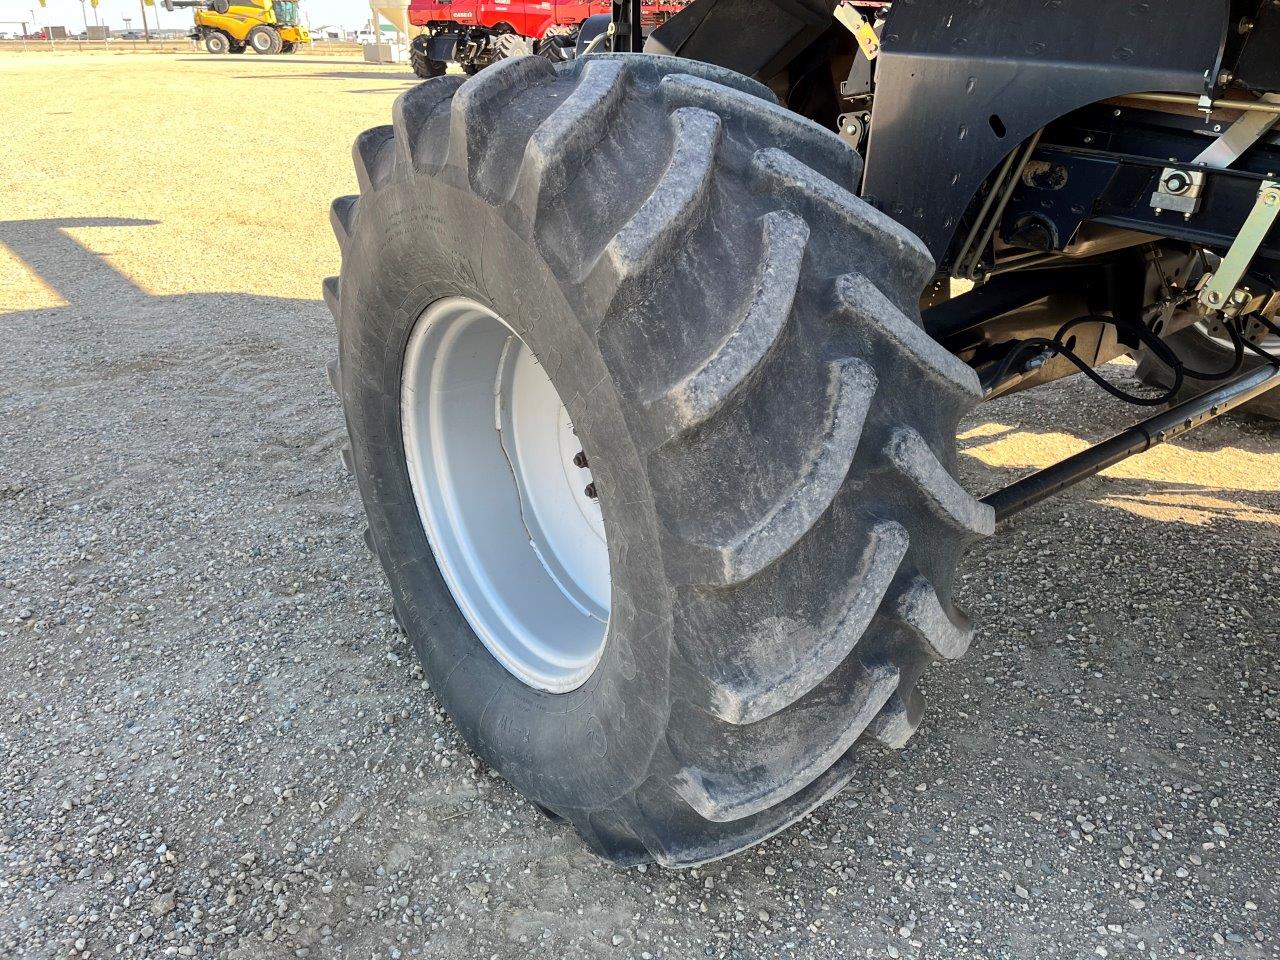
[[475, 33]]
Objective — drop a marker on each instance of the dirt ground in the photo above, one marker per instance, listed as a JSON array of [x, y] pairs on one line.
[[215, 742]]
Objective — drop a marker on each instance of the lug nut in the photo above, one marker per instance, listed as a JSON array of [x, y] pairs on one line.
[[590, 491], [580, 460]]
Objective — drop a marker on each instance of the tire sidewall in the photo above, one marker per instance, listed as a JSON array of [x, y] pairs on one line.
[[1198, 350], [257, 43], [400, 259], [426, 68], [216, 44]]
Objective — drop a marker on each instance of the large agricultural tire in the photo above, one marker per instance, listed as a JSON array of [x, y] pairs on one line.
[[263, 41], [1200, 350], [771, 433], [216, 43], [425, 67]]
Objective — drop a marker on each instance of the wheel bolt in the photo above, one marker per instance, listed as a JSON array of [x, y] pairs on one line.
[[580, 459], [590, 491]]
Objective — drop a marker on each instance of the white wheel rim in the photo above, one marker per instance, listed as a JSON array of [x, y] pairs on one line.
[[1253, 330], [490, 451]]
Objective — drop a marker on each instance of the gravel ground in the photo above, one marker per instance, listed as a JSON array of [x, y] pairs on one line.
[[216, 743]]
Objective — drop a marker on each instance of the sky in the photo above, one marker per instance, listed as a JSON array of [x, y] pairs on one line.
[[345, 13]]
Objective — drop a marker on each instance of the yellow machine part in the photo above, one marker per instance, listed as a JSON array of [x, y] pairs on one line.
[[240, 18]]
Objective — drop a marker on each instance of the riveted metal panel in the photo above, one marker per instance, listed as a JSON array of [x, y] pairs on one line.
[[961, 85]]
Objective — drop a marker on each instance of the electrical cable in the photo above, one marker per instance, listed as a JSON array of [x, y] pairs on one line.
[[1271, 327], [1056, 346], [1061, 349]]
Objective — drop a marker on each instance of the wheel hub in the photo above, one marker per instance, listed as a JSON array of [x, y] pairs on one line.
[[505, 495], [1252, 330]]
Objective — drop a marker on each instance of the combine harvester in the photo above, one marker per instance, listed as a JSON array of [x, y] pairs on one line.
[[231, 26]]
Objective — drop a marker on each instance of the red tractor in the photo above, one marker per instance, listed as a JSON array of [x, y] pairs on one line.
[[475, 33]]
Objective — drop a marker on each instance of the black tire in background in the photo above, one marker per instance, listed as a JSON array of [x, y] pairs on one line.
[[1200, 350], [737, 338], [425, 67], [288, 46], [263, 40], [216, 43]]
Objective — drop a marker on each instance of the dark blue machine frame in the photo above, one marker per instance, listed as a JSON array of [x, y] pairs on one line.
[[958, 86], [1103, 164]]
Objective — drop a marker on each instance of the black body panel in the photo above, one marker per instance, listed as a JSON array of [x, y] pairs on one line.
[[1103, 164], [960, 86], [440, 46], [1258, 67], [755, 37]]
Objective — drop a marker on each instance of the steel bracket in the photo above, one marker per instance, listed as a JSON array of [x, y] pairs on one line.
[[1179, 191], [1222, 289], [862, 31]]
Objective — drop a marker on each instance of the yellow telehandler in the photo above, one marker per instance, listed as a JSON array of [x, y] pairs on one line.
[[229, 26]]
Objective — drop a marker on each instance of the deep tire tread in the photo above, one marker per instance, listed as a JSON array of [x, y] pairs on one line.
[[946, 630], [859, 301], [787, 668], [769, 122], [475, 113], [917, 462], [765, 736], [332, 299], [850, 386], [672, 210], [373, 155], [342, 213], [412, 116], [705, 390], [563, 140], [826, 200], [738, 792], [899, 719]]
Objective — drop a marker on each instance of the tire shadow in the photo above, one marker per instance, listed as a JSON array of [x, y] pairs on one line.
[[136, 377], [1226, 470]]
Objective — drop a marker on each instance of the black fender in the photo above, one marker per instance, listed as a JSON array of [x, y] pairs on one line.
[[437, 46], [959, 86], [755, 37], [591, 28]]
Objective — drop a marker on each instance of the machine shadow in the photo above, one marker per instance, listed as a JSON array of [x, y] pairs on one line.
[[357, 73], [1196, 479], [225, 374]]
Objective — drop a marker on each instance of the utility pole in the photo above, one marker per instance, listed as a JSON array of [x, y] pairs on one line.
[[35, 26], [146, 34], [85, 13]]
